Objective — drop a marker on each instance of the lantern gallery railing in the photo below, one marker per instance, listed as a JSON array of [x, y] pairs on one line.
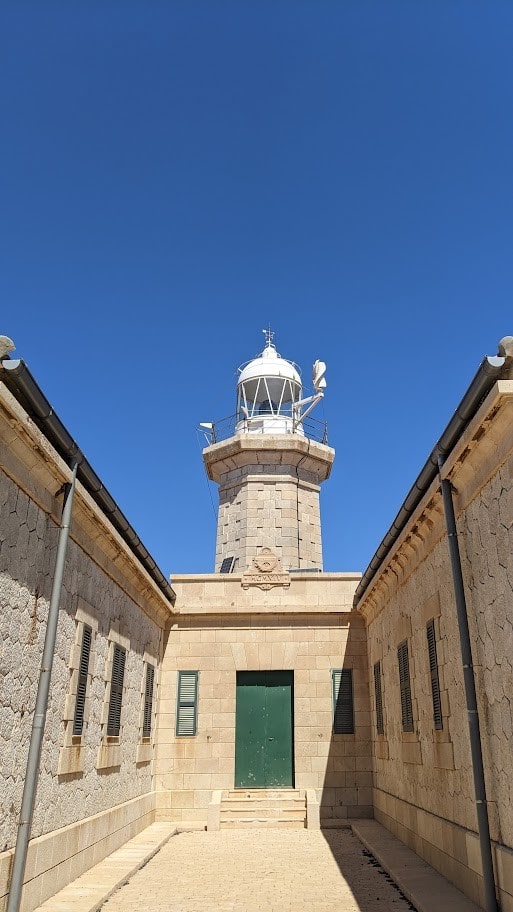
[[214, 432]]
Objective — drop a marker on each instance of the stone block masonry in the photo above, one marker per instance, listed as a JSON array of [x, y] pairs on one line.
[[84, 808], [307, 628], [269, 498], [423, 779]]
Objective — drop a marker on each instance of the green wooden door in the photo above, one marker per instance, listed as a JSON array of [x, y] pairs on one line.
[[264, 753]]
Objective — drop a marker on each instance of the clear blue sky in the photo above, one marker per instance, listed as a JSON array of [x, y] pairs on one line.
[[176, 175]]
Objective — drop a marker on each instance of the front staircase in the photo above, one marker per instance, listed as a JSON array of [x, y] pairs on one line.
[[244, 808]]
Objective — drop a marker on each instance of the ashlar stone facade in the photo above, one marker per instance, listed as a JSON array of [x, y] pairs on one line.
[[269, 489], [94, 792], [423, 784], [307, 627]]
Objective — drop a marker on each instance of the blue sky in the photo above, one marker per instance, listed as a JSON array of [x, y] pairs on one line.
[[174, 176]]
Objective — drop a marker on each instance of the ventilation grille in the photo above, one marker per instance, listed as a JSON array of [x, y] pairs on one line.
[[433, 671], [116, 691], [378, 695], [404, 684], [343, 708], [148, 700], [187, 708], [227, 565], [83, 669]]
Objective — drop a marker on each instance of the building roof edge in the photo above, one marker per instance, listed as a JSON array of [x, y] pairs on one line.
[[23, 386]]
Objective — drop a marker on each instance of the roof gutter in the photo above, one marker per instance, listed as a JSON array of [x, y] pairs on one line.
[[24, 388], [491, 369]]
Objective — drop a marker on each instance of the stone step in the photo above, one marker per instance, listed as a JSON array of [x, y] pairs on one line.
[[264, 794], [243, 808], [263, 813], [234, 804], [264, 823]]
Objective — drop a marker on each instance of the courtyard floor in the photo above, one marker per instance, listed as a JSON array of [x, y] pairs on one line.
[[272, 870]]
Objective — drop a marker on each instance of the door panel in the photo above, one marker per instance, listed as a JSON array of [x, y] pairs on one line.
[[278, 756], [250, 731], [263, 742]]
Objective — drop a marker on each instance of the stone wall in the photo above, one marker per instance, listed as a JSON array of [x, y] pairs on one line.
[[107, 781], [269, 497], [25, 585], [274, 509], [423, 779], [308, 628]]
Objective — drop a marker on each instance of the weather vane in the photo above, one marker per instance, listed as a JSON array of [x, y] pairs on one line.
[[269, 336]]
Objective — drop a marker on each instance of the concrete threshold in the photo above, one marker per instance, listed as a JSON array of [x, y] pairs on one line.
[[91, 890], [424, 887]]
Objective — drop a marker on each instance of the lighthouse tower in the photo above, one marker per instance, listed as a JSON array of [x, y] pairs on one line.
[[269, 466]]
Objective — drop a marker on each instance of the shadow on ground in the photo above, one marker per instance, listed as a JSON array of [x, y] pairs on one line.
[[371, 886]]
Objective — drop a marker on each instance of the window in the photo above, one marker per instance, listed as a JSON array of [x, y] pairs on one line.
[[378, 696], [148, 700], [433, 671], [116, 690], [187, 703], [83, 669], [343, 707], [404, 684]]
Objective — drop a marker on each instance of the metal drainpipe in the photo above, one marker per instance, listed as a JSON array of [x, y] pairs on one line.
[[38, 723], [470, 695]]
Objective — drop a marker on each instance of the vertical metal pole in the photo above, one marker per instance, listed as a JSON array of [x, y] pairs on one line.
[[471, 698], [38, 723]]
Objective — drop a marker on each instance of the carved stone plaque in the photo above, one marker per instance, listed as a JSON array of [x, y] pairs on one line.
[[265, 572]]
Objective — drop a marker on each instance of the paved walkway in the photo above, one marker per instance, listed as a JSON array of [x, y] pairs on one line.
[[257, 870]]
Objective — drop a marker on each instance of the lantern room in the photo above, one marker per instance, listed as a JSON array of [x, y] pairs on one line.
[[269, 394]]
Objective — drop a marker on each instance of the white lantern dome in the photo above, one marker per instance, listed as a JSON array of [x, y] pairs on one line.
[[268, 392]]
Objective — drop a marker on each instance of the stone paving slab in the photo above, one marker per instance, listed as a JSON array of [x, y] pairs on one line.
[[257, 870], [425, 888], [90, 891], [261, 869]]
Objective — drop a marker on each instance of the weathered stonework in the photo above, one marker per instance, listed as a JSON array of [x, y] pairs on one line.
[[105, 586], [423, 782], [308, 628], [96, 791], [269, 497], [265, 572]]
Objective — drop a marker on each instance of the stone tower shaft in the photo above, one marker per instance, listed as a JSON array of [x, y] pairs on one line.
[[269, 489]]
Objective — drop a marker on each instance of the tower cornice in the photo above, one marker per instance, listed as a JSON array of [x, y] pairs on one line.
[[261, 450]]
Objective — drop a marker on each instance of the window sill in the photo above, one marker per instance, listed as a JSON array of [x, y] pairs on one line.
[[144, 752], [410, 749], [381, 747], [71, 759], [109, 754]]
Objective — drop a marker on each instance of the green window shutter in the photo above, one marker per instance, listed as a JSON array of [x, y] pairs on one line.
[[83, 669], [405, 688], [148, 700], [187, 703], [433, 671], [343, 704], [116, 690], [378, 694]]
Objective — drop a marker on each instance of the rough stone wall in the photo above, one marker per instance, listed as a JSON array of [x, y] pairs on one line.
[[423, 780], [251, 631], [428, 768], [487, 546], [27, 554], [409, 765], [269, 506]]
